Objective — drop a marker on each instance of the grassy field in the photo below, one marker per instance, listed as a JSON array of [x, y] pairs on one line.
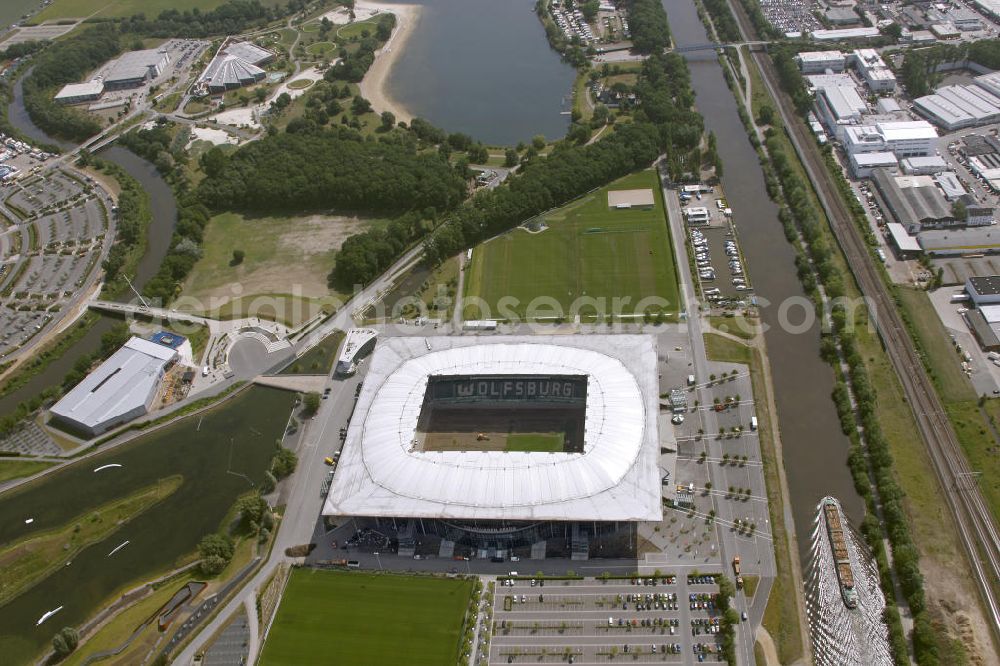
[[12, 468], [60, 9], [549, 442], [25, 562], [588, 252], [287, 260], [718, 348], [739, 326], [318, 360], [367, 619], [320, 49]]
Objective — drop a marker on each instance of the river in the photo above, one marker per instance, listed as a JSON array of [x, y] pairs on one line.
[[160, 230], [814, 449], [485, 68], [221, 454]]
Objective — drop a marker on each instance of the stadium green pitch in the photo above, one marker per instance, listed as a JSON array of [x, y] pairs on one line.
[[331, 617], [587, 250], [549, 442]]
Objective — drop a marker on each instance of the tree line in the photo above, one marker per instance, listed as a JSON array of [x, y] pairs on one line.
[[647, 20], [68, 61], [231, 18], [877, 466]]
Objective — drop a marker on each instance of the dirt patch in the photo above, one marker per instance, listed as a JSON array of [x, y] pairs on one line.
[[283, 256], [953, 603]]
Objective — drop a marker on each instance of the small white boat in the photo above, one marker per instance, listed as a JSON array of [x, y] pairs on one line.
[[47, 615], [28, 521], [119, 547]]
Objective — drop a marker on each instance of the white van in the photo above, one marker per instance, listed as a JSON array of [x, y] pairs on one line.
[[753, 422]]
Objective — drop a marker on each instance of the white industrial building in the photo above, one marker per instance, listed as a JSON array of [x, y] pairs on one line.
[[491, 497], [862, 164], [119, 390], [135, 68], [873, 70], [840, 107], [913, 138], [923, 166], [955, 107], [813, 62], [845, 34], [234, 66], [75, 93], [983, 290]]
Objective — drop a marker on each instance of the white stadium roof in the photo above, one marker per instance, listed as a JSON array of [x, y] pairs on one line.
[[617, 477]]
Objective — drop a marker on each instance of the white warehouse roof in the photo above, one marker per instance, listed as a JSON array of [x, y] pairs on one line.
[[616, 477], [73, 90], [121, 385]]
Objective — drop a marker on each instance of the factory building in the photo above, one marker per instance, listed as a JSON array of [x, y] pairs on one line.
[[814, 62], [119, 390], [913, 138], [873, 70], [75, 93], [135, 68]]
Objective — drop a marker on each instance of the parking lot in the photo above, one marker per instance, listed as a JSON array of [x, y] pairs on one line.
[[661, 618], [717, 256], [56, 228], [791, 15]]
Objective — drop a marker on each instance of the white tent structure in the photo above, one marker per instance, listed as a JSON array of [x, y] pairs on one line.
[[382, 473]]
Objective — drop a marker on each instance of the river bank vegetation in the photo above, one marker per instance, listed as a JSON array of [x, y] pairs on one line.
[[875, 450], [25, 562]]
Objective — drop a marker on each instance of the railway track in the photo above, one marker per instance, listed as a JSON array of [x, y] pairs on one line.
[[979, 534], [972, 516]]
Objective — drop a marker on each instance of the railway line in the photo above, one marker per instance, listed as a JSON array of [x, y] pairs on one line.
[[979, 534]]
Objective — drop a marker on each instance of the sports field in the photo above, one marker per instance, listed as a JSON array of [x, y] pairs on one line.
[[330, 617], [588, 250]]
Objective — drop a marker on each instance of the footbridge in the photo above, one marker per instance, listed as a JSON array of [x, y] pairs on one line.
[[713, 46], [146, 311]]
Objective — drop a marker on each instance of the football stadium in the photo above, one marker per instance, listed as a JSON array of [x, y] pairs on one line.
[[498, 444]]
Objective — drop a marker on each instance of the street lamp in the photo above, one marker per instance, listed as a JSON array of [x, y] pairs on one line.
[[379, 561]]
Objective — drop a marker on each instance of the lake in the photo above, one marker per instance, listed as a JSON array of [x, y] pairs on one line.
[[484, 68]]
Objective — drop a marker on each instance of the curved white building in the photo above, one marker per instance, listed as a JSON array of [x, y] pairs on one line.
[[603, 387]]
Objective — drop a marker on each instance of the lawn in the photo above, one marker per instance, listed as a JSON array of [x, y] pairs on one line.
[[549, 442], [12, 468], [319, 359], [355, 618], [114, 8], [285, 267], [321, 48], [718, 348], [586, 258], [356, 29]]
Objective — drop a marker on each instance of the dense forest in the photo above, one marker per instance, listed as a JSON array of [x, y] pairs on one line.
[[231, 18], [648, 22], [67, 61], [333, 168]]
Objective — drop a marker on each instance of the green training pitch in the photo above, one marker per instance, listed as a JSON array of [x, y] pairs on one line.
[[589, 251], [548, 442], [355, 618]]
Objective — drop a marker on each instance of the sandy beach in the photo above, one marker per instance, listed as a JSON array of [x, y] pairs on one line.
[[375, 85]]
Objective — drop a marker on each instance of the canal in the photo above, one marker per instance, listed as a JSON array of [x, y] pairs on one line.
[[164, 212], [814, 449], [484, 68], [220, 454]]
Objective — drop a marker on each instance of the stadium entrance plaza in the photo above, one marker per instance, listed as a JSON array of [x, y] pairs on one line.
[[691, 538]]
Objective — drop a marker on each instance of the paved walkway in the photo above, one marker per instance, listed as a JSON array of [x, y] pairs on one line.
[[298, 383]]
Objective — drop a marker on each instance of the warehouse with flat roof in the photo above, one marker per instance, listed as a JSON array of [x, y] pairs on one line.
[[134, 68], [119, 390], [75, 93]]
